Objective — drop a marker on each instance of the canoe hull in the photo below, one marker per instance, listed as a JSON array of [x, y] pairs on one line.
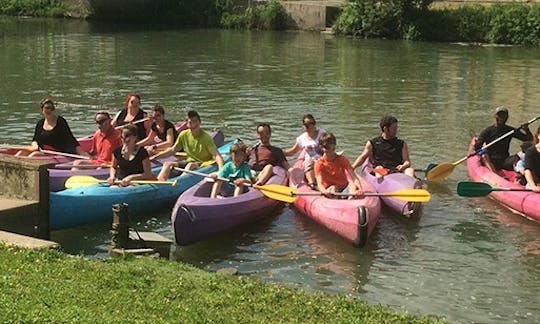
[[196, 216], [525, 203], [79, 206], [353, 220], [393, 182]]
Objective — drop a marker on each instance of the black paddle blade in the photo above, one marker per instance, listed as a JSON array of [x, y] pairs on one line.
[[473, 189]]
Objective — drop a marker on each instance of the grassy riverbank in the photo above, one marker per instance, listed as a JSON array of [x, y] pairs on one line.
[[49, 286]]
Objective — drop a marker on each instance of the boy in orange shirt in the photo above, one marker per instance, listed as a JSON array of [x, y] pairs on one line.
[[330, 170]]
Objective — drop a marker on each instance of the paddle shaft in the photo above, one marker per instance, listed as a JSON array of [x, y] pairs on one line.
[[498, 139], [74, 156], [122, 126]]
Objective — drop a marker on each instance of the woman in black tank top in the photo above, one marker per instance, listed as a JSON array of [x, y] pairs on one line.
[[163, 129], [133, 113], [129, 162]]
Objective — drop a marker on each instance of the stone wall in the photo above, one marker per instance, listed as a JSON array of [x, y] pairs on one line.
[[24, 196]]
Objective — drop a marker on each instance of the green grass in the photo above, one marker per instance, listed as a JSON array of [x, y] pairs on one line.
[[49, 286]]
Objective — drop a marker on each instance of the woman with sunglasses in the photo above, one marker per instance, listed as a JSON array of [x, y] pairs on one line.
[[161, 128], [133, 113], [129, 161], [52, 133], [308, 141]]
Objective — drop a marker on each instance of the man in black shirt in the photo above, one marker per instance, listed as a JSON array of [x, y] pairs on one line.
[[496, 156]]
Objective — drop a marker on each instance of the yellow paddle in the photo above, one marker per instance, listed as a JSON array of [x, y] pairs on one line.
[[443, 170], [85, 181], [289, 195]]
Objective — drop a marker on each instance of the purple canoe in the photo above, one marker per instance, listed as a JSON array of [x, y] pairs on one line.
[[196, 216], [390, 183]]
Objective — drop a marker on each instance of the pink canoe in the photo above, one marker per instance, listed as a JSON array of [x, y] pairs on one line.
[[523, 202], [393, 182], [353, 220]]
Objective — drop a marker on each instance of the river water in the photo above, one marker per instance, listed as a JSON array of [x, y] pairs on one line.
[[469, 260]]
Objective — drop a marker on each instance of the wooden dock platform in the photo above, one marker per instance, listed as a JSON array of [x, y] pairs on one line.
[[26, 242]]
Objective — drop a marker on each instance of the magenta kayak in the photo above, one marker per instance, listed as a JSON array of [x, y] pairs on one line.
[[393, 182], [523, 202], [353, 220], [196, 216]]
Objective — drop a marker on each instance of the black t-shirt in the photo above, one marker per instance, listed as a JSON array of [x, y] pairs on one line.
[[532, 162], [498, 152], [141, 131], [60, 138], [163, 136], [129, 167], [388, 153]]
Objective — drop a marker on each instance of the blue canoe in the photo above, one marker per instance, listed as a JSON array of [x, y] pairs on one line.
[[86, 205]]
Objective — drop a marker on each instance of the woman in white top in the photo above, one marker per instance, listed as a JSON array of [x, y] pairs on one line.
[[308, 141]]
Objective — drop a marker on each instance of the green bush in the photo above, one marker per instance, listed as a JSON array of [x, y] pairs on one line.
[[381, 19], [504, 24], [268, 15], [41, 8]]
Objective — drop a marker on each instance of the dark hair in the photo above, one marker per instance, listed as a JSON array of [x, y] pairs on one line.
[[387, 121], [159, 108], [265, 125], [132, 94], [193, 114], [238, 147], [326, 139], [45, 101], [310, 117], [130, 129], [525, 145], [103, 112]]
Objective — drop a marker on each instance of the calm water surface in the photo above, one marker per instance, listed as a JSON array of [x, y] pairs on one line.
[[469, 260]]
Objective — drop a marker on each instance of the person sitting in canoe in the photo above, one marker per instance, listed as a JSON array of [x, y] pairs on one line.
[[237, 171], [52, 133], [132, 113], [497, 157], [519, 162], [197, 144], [161, 128], [264, 156], [532, 164], [331, 170], [387, 151], [130, 162], [104, 141], [308, 141]]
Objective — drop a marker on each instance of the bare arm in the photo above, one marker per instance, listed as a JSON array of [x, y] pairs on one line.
[[363, 156], [293, 150], [218, 158], [358, 186], [112, 171], [148, 139], [405, 157], [530, 181]]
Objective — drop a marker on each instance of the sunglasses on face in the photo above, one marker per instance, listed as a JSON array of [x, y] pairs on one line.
[[101, 121]]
